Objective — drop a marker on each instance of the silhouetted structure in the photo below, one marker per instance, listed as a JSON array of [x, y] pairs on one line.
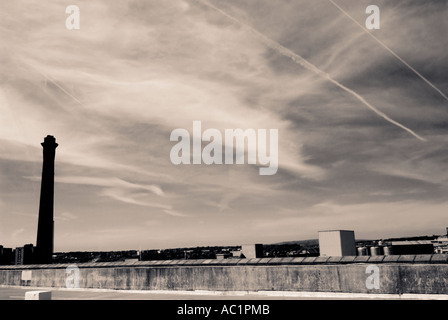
[[6, 256], [24, 255], [45, 229], [413, 247]]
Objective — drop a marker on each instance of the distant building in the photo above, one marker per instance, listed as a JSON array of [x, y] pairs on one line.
[[441, 244], [6, 256], [236, 253], [224, 255], [337, 243], [24, 255], [412, 247], [19, 256], [251, 251], [1, 256]]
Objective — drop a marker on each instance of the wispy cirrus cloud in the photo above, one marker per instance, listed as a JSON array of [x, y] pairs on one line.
[[116, 189], [103, 182]]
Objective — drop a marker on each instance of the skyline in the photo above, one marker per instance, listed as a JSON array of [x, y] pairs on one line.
[[112, 92]]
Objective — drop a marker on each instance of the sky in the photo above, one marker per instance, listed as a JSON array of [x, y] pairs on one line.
[[362, 137]]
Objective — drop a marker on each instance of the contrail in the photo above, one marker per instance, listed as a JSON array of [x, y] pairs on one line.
[[47, 78], [391, 52], [57, 85], [304, 63]]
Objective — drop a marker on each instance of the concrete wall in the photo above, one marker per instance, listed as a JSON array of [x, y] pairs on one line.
[[239, 275]]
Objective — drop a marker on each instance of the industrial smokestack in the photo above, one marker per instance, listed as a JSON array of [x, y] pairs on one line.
[[45, 228]]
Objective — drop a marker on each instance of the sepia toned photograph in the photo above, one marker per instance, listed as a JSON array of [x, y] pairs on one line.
[[247, 150]]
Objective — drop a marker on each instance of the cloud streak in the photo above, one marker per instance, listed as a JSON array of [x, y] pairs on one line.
[[304, 63], [103, 182], [390, 50]]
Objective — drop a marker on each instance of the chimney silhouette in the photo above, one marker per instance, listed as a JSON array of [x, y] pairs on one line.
[[45, 228]]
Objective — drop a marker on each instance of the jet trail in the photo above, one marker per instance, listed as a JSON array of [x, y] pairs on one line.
[[391, 52], [47, 78], [57, 85], [304, 63]]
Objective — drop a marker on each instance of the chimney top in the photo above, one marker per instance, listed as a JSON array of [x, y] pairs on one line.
[[49, 141]]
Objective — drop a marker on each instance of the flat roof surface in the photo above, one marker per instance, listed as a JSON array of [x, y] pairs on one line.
[[18, 293]]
